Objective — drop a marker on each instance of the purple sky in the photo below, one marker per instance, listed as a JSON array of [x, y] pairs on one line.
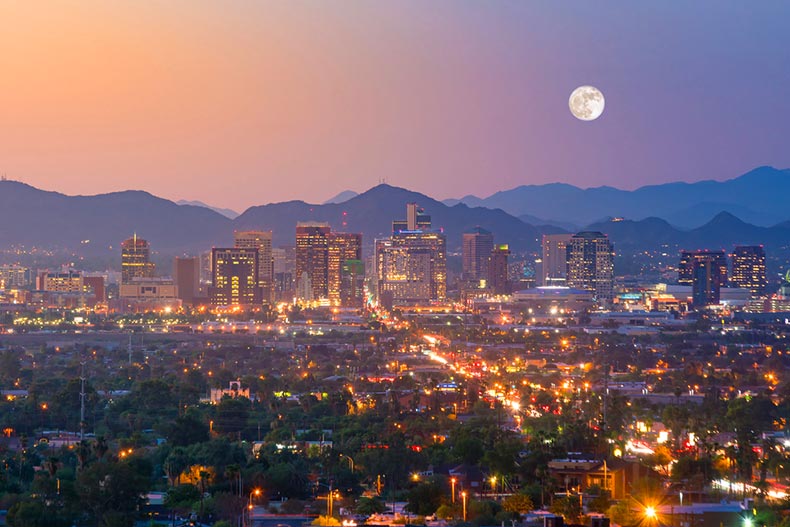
[[248, 102]]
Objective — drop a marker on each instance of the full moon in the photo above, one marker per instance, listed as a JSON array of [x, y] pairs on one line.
[[586, 103]]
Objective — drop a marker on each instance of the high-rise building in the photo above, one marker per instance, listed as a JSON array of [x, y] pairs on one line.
[[748, 269], [235, 277], [186, 275], [135, 260], [352, 288], [262, 241], [476, 249], [312, 260], [284, 270], [590, 260], [686, 265], [416, 220], [705, 280], [411, 267], [497, 281], [554, 265], [342, 247]]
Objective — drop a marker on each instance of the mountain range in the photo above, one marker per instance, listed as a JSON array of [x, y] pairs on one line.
[[95, 225], [757, 197]]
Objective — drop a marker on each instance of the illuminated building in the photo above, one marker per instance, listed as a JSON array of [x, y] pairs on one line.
[[141, 295], [748, 269], [14, 276], [312, 260], [186, 275], [498, 282], [590, 261], [411, 268], [262, 241], [476, 249], [705, 280], [342, 247], [352, 289], [686, 265], [234, 277], [63, 282], [554, 265], [135, 260]]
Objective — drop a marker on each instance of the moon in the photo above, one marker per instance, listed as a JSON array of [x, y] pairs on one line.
[[586, 103]]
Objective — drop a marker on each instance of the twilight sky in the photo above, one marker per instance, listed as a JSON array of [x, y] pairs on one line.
[[248, 102]]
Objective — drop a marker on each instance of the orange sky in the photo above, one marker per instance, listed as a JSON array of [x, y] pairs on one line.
[[245, 102]]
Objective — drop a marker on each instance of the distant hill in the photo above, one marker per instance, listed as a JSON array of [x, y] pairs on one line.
[[342, 197], [372, 213], [757, 197], [97, 224], [228, 213], [722, 232]]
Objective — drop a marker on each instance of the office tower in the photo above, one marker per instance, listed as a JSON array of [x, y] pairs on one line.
[[748, 269], [312, 260], [554, 265], [352, 288], [14, 276], [342, 247], [498, 282], [412, 268], [686, 265], [705, 281], [284, 270], [235, 277], [135, 260], [186, 275], [262, 241], [416, 220], [590, 260], [476, 249]]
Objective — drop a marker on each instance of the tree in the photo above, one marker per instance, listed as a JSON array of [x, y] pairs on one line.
[[518, 503], [425, 498], [112, 492], [568, 507], [232, 415], [370, 506], [188, 429]]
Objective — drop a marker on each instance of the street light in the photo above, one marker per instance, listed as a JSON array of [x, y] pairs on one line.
[[350, 461], [452, 485], [492, 479], [650, 512], [463, 497]]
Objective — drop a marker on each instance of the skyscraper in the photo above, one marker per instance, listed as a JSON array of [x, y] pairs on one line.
[[498, 282], [342, 247], [234, 277], [748, 269], [186, 275], [135, 260], [312, 260], [686, 265], [705, 280], [262, 241], [554, 265], [476, 249], [590, 259], [411, 267]]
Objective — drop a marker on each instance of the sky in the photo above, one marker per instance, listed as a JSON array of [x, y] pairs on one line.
[[240, 103]]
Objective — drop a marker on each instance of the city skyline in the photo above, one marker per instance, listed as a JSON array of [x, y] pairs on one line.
[[182, 99]]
